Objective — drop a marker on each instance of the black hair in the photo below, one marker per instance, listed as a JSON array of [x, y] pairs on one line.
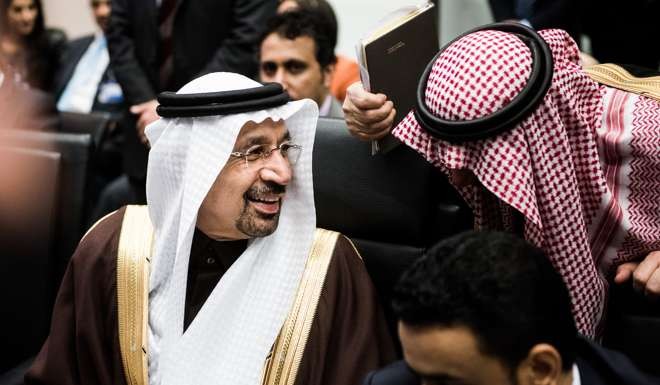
[[500, 287], [327, 13], [306, 21]]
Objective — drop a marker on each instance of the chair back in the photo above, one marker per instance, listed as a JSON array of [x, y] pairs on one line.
[[96, 124], [391, 206], [28, 204], [75, 150]]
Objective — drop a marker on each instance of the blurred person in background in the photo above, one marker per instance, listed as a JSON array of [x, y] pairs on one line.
[[297, 51], [346, 70], [26, 46], [24, 108], [85, 81]]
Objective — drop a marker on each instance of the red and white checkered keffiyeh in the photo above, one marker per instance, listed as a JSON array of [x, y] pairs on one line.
[[583, 169]]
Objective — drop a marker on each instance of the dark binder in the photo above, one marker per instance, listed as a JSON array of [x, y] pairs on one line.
[[393, 57]]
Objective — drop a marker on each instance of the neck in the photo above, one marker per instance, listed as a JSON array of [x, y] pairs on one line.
[[10, 44], [566, 378]]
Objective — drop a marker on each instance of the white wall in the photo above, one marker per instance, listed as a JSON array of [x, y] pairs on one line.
[[356, 17], [73, 16]]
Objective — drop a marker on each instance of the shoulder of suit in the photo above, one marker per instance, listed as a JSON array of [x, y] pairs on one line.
[[82, 41]]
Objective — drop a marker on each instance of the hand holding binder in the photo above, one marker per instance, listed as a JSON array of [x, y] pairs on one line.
[[392, 58]]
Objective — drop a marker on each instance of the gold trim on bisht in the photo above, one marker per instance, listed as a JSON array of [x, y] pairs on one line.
[[281, 367], [133, 257], [617, 77]]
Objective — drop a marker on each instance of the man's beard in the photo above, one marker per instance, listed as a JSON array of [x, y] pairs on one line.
[[255, 224]]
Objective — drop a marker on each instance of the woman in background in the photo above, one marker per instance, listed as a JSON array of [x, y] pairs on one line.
[[31, 51]]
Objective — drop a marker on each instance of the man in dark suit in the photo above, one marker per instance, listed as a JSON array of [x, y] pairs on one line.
[[84, 81], [159, 45], [489, 308]]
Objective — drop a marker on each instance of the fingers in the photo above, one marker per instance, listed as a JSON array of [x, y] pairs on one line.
[[368, 116], [646, 277], [383, 127], [624, 272], [362, 99], [140, 126], [376, 115], [371, 131], [137, 109], [653, 285]]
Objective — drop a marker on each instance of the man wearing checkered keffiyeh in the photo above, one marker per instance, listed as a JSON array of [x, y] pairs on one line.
[[582, 171]]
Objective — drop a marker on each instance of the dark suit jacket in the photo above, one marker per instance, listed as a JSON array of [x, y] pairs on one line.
[[563, 14], [597, 366], [74, 52], [208, 36]]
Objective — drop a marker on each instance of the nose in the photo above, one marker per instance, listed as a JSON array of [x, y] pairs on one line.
[[26, 15], [280, 77], [276, 169], [104, 9]]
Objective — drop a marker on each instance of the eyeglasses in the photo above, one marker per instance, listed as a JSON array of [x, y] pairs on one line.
[[290, 152]]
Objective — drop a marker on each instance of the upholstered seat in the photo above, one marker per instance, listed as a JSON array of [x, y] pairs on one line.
[[391, 206], [28, 203]]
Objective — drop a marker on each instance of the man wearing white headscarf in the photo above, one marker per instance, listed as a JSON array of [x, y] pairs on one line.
[[241, 287]]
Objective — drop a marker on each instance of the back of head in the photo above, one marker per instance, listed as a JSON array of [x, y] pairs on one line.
[[500, 287]]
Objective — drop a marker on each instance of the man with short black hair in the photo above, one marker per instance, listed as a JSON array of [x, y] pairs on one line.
[[489, 308], [297, 51]]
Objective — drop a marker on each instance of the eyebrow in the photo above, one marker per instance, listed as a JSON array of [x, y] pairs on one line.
[[263, 139], [295, 61]]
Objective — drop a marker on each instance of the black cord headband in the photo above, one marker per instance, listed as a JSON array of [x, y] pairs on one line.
[[511, 114], [173, 105]]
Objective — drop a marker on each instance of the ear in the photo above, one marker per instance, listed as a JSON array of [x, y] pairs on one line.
[[542, 366], [328, 72]]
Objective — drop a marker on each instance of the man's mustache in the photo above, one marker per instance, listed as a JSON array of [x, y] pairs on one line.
[[268, 188]]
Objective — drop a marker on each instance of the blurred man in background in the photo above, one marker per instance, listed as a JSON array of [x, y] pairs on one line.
[[85, 81]]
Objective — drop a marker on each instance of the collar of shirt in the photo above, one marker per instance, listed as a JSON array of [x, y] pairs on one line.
[[576, 376], [324, 108]]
